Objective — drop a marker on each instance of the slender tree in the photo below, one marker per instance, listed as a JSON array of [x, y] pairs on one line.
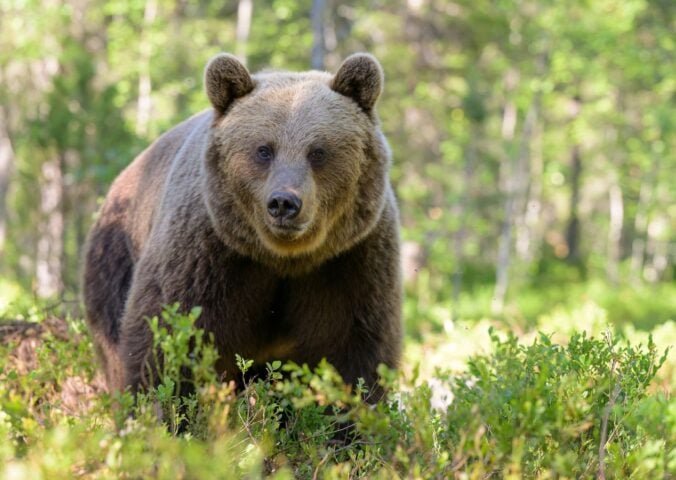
[[508, 173], [614, 249], [244, 12], [144, 102], [6, 168], [49, 254], [646, 195], [318, 40], [573, 227]]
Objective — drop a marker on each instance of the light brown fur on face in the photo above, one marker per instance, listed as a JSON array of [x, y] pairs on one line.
[[293, 117], [273, 212]]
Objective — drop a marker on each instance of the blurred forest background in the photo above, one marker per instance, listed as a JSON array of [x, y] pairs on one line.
[[533, 140]]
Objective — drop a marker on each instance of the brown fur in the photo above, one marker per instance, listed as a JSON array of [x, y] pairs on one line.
[[187, 222]]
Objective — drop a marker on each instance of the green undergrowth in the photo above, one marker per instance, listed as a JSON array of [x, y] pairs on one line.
[[642, 307], [532, 406]]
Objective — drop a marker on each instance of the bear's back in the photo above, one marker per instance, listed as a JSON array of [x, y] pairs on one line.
[[138, 192]]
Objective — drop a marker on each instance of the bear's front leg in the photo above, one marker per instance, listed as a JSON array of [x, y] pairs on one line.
[[136, 339], [349, 310], [372, 338]]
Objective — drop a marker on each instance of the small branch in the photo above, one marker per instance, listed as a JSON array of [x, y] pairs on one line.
[[13, 327], [244, 9], [604, 428], [315, 476]]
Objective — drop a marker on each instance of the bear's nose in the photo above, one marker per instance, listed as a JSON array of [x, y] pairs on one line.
[[284, 205]]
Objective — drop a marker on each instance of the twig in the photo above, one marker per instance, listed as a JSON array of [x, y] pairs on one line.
[[316, 435], [604, 426], [315, 475], [11, 327]]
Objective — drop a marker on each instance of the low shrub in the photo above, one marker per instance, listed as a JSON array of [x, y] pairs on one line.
[[579, 409]]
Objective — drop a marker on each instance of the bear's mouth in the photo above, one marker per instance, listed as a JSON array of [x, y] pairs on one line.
[[290, 238], [286, 231]]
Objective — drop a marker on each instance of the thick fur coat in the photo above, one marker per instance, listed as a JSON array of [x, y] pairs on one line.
[[273, 212]]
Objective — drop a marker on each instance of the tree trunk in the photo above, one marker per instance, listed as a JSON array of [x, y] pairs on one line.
[[144, 103], [509, 118], [318, 42], [657, 250], [530, 230], [573, 228], [526, 184], [516, 187], [616, 208], [49, 255], [6, 167], [638, 245], [502, 267], [459, 236], [244, 10], [529, 234]]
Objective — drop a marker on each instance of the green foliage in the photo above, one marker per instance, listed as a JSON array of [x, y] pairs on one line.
[[183, 359], [71, 76], [529, 408], [72, 91], [545, 408], [551, 304]]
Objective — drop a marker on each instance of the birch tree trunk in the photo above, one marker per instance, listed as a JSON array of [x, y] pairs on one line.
[[516, 188], [502, 268], [523, 180], [529, 234], [638, 245], [460, 234], [144, 103], [657, 249], [49, 255], [318, 42], [530, 229], [616, 210], [509, 118], [244, 11], [6, 167]]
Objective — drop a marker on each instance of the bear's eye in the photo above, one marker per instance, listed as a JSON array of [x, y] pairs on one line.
[[264, 154], [317, 156]]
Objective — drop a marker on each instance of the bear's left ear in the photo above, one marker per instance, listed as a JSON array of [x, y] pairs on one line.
[[225, 80], [360, 77]]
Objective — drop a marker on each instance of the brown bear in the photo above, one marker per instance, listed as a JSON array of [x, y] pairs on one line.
[[272, 211]]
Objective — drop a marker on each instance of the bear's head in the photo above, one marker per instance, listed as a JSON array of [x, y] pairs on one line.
[[296, 170]]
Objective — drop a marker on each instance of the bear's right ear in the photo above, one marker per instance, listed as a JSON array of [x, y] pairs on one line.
[[225, 80]]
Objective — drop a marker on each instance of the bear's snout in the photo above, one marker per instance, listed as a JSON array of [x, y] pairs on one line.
[[284, 205]]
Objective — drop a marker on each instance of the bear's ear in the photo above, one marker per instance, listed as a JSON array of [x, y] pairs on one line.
[[360, 77], [225, 80]]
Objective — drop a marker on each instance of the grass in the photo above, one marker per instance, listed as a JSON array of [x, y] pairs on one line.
[[473, 399]]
